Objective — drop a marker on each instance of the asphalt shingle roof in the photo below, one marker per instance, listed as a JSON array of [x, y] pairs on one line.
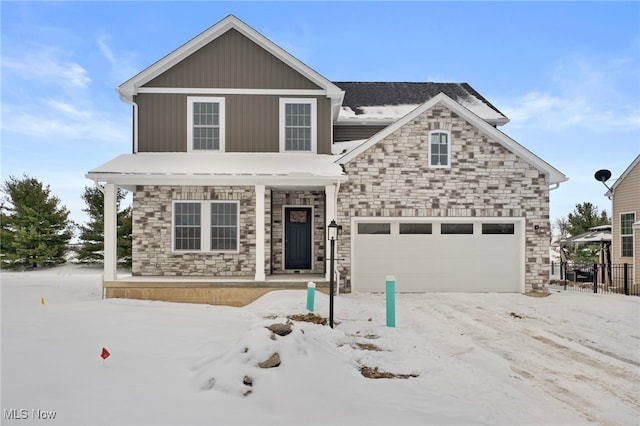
[[363, 94]]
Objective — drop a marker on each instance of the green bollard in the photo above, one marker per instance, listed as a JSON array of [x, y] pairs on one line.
[[391, 300], [311, 293]]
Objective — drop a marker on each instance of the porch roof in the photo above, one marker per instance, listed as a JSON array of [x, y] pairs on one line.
[[198, 168]]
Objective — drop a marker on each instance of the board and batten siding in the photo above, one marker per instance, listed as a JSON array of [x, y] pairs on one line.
[[232, 61], [252, 123], [626, 199]]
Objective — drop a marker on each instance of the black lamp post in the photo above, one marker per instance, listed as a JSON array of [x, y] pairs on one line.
[[333, 236]]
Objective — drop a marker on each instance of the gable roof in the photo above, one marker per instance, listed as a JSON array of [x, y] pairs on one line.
[[554, 176], [633, 164], [130, 87], [373, 100]]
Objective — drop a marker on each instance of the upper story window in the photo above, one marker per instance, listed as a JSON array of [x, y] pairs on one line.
[[626, 234], [201, 226], [439, 149], [205, 123], [298, 125]]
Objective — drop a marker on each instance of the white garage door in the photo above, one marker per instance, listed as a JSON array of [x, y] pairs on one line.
[[429, 255]]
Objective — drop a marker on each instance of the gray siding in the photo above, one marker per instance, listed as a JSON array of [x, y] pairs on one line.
[[353, 132], [252, 123], [232, 61]]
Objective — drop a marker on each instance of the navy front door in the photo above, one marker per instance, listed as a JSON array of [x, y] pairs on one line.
[[297, 238]]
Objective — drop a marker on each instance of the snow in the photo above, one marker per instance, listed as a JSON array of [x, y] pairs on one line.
[[480, 358], [481, 109], [220, 164], [390, 113], [377, 112], [341, 148]]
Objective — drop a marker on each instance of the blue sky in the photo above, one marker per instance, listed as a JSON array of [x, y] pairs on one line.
[[567, 74]]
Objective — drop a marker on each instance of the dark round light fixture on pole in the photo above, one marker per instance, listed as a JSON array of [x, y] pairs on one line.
[[332, 232]]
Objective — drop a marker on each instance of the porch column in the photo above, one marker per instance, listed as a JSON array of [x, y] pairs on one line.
[[110, 232], [330, 214], [260, 276]]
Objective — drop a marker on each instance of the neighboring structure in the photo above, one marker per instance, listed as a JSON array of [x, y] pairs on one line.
[[242, 155], [625, 196]]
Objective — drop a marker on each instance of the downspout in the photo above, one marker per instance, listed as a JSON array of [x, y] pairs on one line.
[[135, 121]]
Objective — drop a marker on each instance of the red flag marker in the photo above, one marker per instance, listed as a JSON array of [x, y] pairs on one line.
[[105, 353]]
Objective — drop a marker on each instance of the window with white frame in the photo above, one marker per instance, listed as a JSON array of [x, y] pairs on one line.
[[205, 123], [224, 226], [298, 125], [206, 226], [187, 230], [626, 234], [439, 149]]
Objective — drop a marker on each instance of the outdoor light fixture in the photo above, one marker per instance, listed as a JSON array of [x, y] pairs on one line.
[[332, 232]]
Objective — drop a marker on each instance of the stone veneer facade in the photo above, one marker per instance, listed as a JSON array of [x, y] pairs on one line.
[[393, 179], [152, 233]]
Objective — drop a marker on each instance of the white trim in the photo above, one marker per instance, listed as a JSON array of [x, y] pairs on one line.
[[110, 256], [520, 231], [260, 233], [231, 91], [130, 181], [329, 214], [448, 165], [205, 226], [222, 123], [131, 87], [553, 175], [632, 235], [314, 123], [284, 237]]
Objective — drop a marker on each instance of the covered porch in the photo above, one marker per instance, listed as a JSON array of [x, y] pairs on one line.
[[282, 227]]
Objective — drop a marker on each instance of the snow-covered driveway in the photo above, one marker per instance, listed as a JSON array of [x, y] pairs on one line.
[[582, 350], [497, 359]]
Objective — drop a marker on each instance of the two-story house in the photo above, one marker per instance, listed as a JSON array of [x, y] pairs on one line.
[[242, 155], [625, 197]]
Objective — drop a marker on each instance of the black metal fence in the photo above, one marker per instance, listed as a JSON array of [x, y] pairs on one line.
[[595, 278]]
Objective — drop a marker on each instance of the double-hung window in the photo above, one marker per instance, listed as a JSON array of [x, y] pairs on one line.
[[206, 226], [205, 123], [626, 234], [439, 149], [298, 125]]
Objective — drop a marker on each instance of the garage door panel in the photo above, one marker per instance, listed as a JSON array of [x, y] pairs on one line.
[[432, 261]]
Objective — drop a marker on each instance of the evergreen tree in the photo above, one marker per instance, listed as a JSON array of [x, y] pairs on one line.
[[584, 216], [125, 229], [92, 234], [35, 228]]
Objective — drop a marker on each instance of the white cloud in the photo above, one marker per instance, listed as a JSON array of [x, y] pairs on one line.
[[106, 50], [48, 64], [59, 121], [582, 93]]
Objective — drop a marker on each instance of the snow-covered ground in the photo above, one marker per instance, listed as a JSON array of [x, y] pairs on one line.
[[499, 359]]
